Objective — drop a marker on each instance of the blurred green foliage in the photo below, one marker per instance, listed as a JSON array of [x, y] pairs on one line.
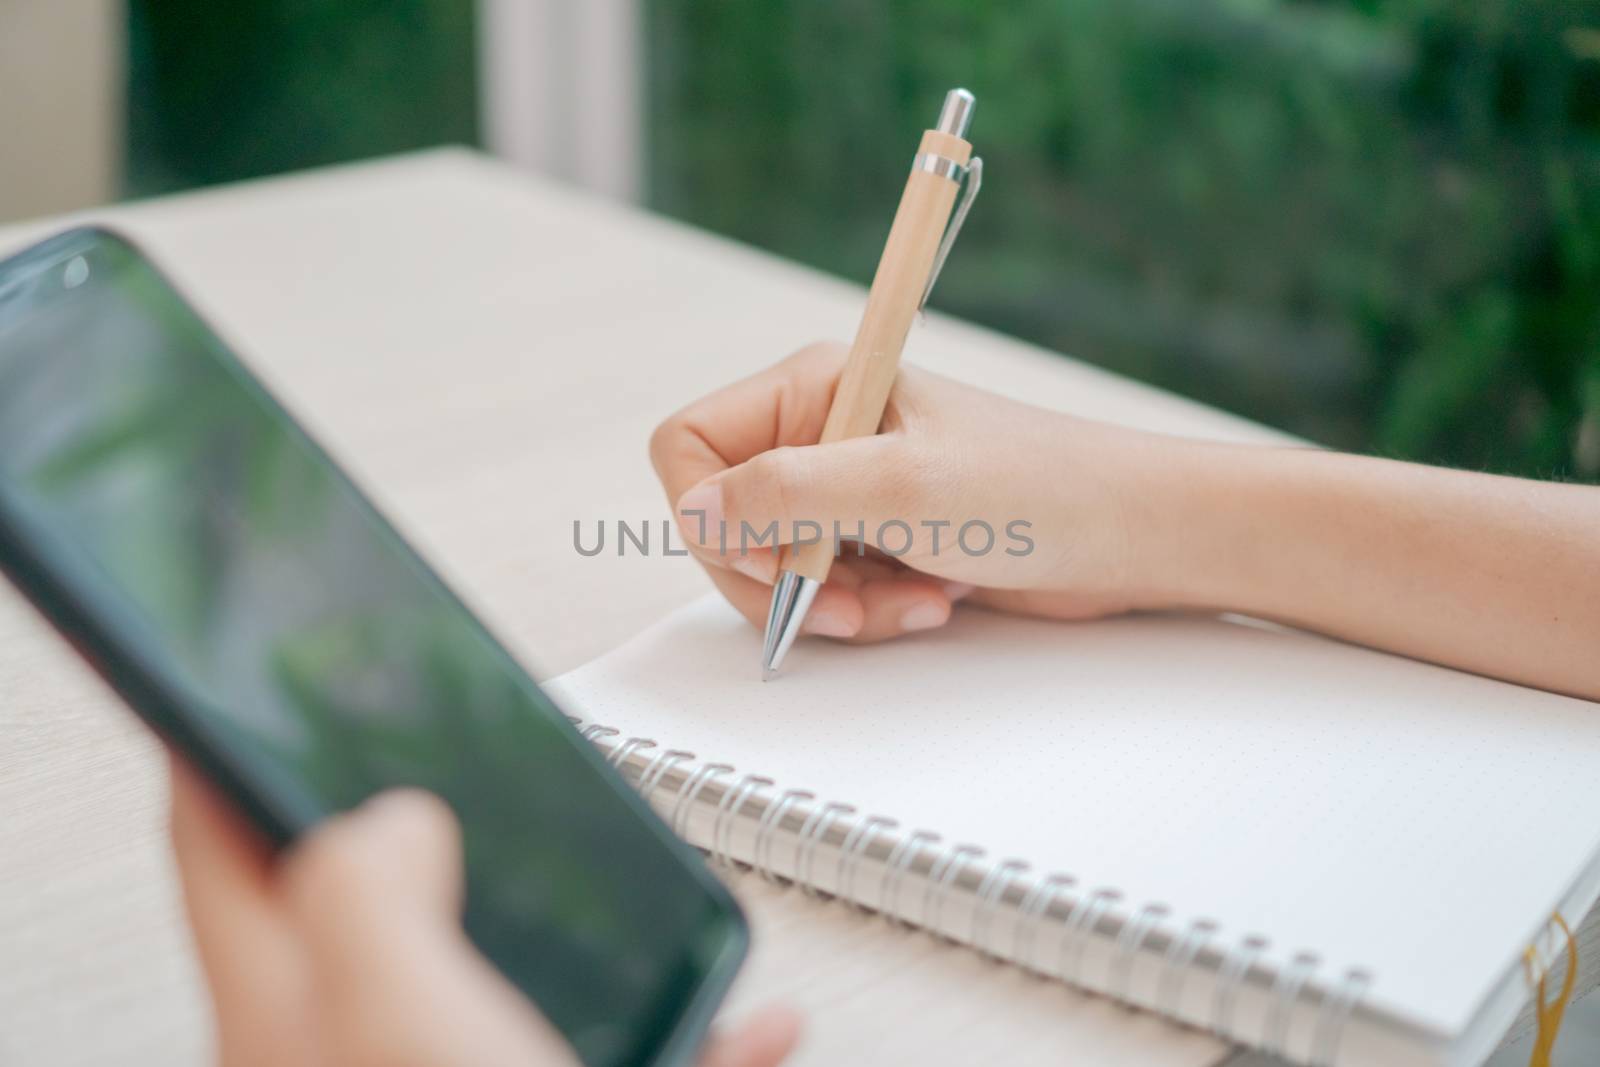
[[239, 88], [1375, 223]]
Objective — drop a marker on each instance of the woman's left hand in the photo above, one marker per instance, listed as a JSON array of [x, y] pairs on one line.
[[348, 950]]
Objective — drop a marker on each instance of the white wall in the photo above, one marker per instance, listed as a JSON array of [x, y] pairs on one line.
[[61, 101]]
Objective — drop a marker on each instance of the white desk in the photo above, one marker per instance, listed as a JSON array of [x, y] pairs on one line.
[[449, 329]]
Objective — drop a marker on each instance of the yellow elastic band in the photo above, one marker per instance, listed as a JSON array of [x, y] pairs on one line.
[[1547, 1016]]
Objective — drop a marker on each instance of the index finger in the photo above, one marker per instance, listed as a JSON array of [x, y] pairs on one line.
[[786, 404]]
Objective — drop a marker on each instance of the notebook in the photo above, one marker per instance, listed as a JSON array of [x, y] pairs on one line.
[[874, 993], [1318, 850]]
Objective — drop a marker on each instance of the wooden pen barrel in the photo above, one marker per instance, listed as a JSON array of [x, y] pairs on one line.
[[892, 304]]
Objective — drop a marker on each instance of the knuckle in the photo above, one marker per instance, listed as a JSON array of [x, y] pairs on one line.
[[829, 354], [785, 477], [769, 488], [663, 440], [325, 863]]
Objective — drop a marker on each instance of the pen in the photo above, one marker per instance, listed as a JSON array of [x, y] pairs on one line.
[[919, 240]]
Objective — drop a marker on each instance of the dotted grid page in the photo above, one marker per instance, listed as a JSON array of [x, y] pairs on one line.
[[1415, 822]]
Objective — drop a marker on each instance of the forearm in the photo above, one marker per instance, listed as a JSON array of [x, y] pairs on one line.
[[1499, 576]]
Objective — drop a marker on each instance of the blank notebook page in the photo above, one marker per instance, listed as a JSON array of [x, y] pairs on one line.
[[1415, 822]]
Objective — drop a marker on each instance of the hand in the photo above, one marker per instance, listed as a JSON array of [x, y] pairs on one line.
[[1488, 574], [347, 951], [1054, 501]]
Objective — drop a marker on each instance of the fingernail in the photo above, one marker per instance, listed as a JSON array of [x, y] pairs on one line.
[[700, 513], [751, 568], [825, 623], [924, 616], [959, 591]]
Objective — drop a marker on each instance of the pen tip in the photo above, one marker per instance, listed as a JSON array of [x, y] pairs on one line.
[[791, 599]]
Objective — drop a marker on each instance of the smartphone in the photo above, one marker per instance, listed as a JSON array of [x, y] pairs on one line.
[[163, 511]]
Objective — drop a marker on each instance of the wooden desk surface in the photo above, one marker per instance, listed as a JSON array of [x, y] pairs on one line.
[[449, 329]]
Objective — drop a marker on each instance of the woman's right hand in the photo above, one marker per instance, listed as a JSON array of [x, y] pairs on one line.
[[967, 493], [1489, 574]]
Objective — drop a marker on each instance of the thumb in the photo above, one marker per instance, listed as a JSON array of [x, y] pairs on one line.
[[803, 493], [376, 896]]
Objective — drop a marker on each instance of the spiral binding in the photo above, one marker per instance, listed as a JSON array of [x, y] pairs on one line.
[[904, 855], [1036, 911], [813, 830], [733, 801], [1129, 942], [1235, 969], [762, 851], [991, 892], [1035, 906], [1178, 962], [620, 754], [949, 865], [1081, 922], [658, 768], [1336, 1010], [1285, 994], [857, 841], [690, 790]]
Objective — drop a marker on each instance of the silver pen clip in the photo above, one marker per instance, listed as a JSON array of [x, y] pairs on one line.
[[969, 193]]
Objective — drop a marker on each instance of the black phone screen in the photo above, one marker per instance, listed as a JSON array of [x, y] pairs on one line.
[[254, 607]]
